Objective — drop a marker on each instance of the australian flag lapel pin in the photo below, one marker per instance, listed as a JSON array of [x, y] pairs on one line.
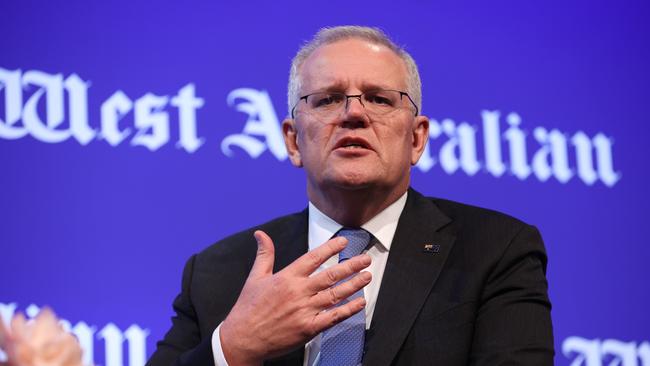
[[431, 248]]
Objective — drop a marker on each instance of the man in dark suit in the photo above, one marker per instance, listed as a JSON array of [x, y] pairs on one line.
[[436, 282]]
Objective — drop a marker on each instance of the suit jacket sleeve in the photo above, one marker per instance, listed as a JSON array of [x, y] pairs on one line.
[[513, 324], [179, 347]]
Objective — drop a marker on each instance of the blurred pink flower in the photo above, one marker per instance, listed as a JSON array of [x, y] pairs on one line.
[[39, 342]]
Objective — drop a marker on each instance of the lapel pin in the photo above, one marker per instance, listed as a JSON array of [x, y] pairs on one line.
[[431, 248]]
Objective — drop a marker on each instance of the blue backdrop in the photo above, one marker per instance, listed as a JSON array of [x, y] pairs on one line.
[[133, 135]]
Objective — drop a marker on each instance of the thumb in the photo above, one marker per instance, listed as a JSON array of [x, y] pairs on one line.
[[265, 256]]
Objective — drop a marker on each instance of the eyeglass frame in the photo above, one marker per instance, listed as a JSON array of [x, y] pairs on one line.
[[358, 96]]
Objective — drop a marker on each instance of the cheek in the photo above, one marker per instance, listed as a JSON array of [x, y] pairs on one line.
[[399, 153], [311, 140], [311, 135], [398, 144]]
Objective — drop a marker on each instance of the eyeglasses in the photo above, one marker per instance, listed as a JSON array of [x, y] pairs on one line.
[[324, 105]]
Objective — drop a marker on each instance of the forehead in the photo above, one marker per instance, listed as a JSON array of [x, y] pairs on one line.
[[352, 65]]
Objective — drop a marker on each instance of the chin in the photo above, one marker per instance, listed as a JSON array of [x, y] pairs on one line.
[[354, 180]]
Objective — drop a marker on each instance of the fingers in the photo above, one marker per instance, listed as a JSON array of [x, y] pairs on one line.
[[310, 261], [265, 256], [334, 295], [337, 314], [339, 272]]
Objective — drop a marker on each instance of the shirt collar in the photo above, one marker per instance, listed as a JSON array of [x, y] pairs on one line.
[[382, 226]]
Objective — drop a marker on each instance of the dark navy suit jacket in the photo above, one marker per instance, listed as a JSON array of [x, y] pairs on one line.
[[476, 295]]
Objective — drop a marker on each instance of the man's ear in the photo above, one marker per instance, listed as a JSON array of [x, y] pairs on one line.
[[290, 134], [420, 137]]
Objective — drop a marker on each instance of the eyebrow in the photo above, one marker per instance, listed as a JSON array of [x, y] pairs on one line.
[[340, 87]]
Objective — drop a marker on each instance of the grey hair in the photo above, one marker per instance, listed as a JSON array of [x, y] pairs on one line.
[[328, 35]]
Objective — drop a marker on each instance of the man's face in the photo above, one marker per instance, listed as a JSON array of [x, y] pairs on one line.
[[351, 150]]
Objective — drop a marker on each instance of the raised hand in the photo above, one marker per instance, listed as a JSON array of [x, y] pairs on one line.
[[41, 341], [277, 313]]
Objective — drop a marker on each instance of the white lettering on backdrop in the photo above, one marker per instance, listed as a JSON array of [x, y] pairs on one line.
[[151, 121], [577, 350], [53, 109], [110, 336], [610, 352]]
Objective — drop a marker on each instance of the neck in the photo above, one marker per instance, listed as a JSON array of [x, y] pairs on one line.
[[353, 207]]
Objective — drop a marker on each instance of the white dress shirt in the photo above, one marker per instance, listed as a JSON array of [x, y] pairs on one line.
[[321, 229]]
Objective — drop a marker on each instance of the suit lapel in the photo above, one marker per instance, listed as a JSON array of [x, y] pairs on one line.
[[290, 240], [411, 271]]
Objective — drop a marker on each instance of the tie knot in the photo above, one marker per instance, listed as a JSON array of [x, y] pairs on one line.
[[358, 240]]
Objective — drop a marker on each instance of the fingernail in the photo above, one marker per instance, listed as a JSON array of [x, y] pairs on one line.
[[365, 259], [363, 302], [366, 276]]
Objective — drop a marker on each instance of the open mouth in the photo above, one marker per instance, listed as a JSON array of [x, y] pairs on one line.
[[353, 146], [353, 143]]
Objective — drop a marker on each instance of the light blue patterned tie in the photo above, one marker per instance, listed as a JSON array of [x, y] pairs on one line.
[[342, 345]]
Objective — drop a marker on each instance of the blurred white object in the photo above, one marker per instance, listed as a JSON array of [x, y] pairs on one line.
[[41, 341]]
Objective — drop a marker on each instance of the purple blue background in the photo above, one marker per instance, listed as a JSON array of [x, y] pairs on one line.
[[101, 233]]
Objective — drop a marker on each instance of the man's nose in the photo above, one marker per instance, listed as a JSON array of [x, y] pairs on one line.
[[355, 115]]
